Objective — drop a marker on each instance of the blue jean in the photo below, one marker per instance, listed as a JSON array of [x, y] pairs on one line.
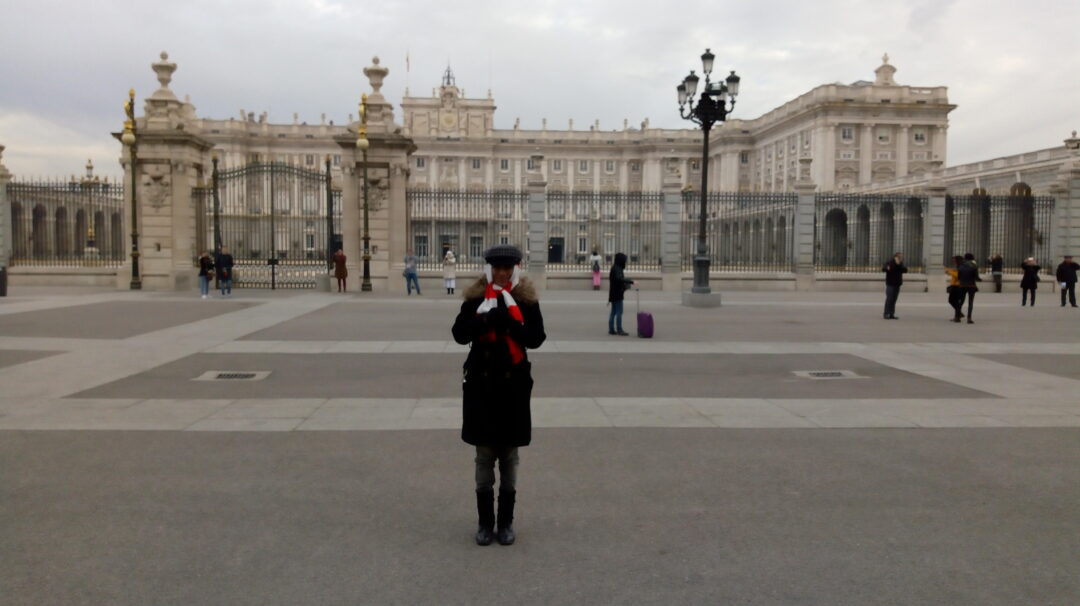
[[614, 321], [204, 285], [226, 285], [411, 279]]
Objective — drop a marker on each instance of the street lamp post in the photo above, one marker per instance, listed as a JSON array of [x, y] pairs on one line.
[[363, 143], [712, 107], [128, 138]]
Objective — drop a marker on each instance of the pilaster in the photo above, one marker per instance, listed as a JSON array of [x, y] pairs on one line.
[[803, 227], [671, 236], [537, 215], [934, 261], [5, 224]]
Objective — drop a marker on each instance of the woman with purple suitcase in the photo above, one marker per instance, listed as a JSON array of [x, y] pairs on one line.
[[617, 285]]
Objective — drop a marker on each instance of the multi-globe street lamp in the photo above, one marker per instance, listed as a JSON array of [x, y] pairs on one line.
[[128, 139], [716, 102], [363, 144]]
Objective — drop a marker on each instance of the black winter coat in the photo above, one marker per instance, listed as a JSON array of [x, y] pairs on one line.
[[496, 392], [617, 282], [1066, 272], [1031, 276], [894, 272], [205, 266]]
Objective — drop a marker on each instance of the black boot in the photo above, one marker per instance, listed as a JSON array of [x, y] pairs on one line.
[[506, 517], [485, 511]]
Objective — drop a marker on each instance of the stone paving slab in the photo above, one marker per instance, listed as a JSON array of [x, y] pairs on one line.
[[1066, 366], [565, 375], [788, 317], [111, 319], [605, 516], [11, 357]]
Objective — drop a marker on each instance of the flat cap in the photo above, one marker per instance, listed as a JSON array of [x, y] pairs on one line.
[[503, 254]]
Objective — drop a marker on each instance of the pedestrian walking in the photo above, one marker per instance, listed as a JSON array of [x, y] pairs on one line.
[[411, 278], [206, 273], [955, 294], [594, 261], [968, 274], [223, 267], [894, 278], [341, 272], [995, 263], [1066, 277], [1030, 282], [617, 287], [500, 320], [449, 271]]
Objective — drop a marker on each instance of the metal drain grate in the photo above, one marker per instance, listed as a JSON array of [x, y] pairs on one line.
[[233, 375], [826, 374]]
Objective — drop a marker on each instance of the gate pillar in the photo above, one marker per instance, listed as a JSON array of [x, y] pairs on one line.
[[1067, 203], [169, 162], [385, 164], [934, 261], [671, 233], [537, 243], [803, 227]]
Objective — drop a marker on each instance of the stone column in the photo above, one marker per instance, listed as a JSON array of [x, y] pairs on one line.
[[671, 235], [1068, 208], [803, 227], [5, 225], [902, 150], [934, 261], [866, 154], [537, 215], [352, 223]]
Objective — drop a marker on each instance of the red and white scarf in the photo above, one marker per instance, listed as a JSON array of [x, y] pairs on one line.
[[491, 301]]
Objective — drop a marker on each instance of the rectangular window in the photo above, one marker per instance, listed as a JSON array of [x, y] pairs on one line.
[[920, 136], [847, 155], [337, 159], [504, 165], [882, 135], [309, 159], [744, 158], [476, 247], [883, 155], [531, 164], [847, 133], [635, 167], [309, 241], [556, 165], [610, 166], [583, 166], [476, 164], [583, 245], [504, 239], [420, 245], [695, 165], [419, 163], [919, 155]]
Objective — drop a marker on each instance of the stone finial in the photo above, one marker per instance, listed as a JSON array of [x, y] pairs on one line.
[[2, 148], [1072, 143], [375, 74], [517, 123], [626, 124], [164, 70], [885, 72], [543, 122]]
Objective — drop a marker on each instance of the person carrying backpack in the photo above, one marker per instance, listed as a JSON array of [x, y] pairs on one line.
[[595, 260]]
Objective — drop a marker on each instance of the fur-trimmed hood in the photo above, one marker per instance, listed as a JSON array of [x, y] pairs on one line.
[[524, 292]]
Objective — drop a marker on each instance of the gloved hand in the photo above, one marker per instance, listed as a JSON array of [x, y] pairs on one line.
[[498, 319]]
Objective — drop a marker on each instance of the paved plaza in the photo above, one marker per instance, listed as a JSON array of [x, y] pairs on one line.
[[932, 463]]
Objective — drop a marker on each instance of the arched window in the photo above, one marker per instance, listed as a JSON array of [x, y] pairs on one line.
[[834, 246], [80, 233], [886, 233], [781, 240], [61, 233], [39, 237], [861, 251], [116, 234], [18, 232]]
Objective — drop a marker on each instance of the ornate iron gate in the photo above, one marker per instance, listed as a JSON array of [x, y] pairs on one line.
[[281, 223]]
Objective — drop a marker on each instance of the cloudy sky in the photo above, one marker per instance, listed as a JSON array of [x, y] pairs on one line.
[[1012, 68]]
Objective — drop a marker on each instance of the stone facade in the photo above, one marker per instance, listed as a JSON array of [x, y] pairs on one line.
[[857, 134]]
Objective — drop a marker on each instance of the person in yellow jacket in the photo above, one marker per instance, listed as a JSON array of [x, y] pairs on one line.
[[956, 295]]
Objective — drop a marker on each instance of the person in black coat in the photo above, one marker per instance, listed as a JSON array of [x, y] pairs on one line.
[[500, 319], [967, 273], [1030, 281], [206, 273], [996, 266], [617, 286], [894, 278], [224, 264], [1066, 277]]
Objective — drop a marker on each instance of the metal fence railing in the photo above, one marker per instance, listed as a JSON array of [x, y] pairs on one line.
[[67, 223], [744, 231], [860, 232], [468, 221], [1015, 227], [580, 223]]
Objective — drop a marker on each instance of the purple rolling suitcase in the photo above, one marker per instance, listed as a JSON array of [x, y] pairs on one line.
[[644, 319]]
